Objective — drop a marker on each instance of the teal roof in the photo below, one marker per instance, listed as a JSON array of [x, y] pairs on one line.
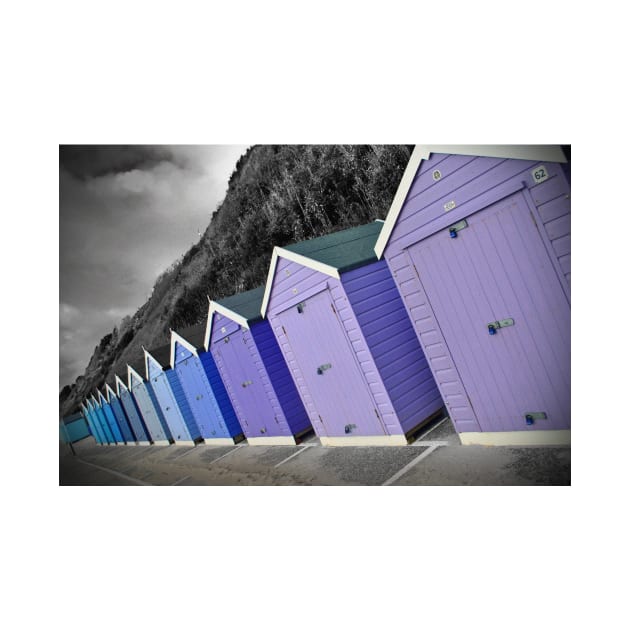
[[343, 250], [247, 304]]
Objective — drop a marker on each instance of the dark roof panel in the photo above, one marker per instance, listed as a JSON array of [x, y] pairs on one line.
[[194, 335], [343, 250], [162, 355], [246, 304], [137, 363]]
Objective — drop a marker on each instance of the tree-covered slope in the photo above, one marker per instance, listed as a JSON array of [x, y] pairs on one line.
[[276, 195]]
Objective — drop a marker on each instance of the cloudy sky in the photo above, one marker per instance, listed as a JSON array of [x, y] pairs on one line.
[[125, 214]]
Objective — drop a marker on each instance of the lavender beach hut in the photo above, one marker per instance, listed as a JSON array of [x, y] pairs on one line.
[[203, 387], [170, 396], [348, 341], [254, 371], [478, 240]]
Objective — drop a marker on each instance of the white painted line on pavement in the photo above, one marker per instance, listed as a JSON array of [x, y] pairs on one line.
[[435, 427], [192, 448], [410, 465], [226, 454], [180, 480], [115, 472], [286, 459]]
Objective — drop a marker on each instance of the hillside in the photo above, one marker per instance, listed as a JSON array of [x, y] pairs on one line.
[[276, 195]]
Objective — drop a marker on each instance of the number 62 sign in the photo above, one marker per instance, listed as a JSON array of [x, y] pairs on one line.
[[539, 174]]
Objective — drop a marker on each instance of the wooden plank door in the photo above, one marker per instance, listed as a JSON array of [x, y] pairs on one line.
[[330, 368], [497, 268]]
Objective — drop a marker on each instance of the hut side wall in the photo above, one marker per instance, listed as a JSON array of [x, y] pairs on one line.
[[280, 379], [393, 343]]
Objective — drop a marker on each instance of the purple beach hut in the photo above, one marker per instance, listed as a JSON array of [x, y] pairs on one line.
[[348, 341], [478, 240]]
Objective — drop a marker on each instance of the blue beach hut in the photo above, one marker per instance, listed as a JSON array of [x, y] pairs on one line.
[[254, 371], [121, 418], [170, 396], [147, 403], [131, 410], [203, 387], [109, 416]]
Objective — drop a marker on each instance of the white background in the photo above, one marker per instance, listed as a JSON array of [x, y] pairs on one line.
[[274, 72]]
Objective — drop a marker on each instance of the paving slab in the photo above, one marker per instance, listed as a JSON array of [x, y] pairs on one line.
[[491, 466], [257, 458], [442, 431], [351, 465]]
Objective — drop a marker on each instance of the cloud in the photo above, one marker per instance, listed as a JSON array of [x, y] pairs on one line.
[[126, 213]]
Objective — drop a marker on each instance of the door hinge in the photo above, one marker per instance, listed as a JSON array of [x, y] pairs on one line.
[[283, 330], [333, 308]]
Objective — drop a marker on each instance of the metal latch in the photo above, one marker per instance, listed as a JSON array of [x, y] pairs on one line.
[[300, 307], [322, 368], [348, 428], [453, 229], [263, 430], [246, 383], [530, 416], [502, 323]]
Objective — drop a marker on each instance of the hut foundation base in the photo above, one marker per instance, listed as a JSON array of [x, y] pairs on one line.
[[364, 440], [517, 438]]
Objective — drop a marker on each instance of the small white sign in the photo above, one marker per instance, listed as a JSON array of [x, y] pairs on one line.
[[449, 205], [539, 174], [223, 329]]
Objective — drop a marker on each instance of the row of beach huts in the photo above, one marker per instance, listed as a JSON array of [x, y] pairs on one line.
[[457, 304]]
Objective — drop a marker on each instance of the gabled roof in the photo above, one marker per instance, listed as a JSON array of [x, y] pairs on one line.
[[332, 254], [109, 391], [243, 308], [101, 398], [120, 381], [94, 401], [534, 152], [191, 338], [161, 355], [136, 367]]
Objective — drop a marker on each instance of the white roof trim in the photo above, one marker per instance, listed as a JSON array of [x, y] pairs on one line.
[[131, 373], [82, 405], [280, 252], [176, 338], [148, 356], [535, 152], [215, 307], [94, 400], [109, 391], [119, 383], [100, 396]]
